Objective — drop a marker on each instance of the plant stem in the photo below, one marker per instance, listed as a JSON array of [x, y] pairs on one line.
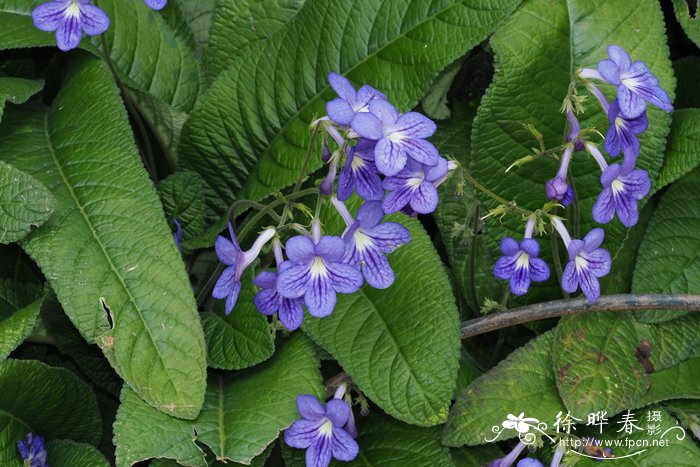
[[492, 195], [556, 308]]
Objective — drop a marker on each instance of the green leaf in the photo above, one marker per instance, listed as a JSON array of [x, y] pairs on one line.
[[434, 103], [238, 25], [182, 195], [399, 345], [19, 307], [141, 432], [65, 452], [670, 342], [535, 57], [668, 261], [198, 16], [683, 150], [230, 422], [17, 90], [108, 252], [686, 70], [241, 339], [69, 342], [689, 23], [457, 212], [51, 402], [523, 382], [24, 203], [18, 29], [678, 382], [247, 136], [595, 363]]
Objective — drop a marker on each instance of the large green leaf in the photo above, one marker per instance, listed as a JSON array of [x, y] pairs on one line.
[[17, 90], [198, 16], [595, 363], [68, 453], [400, 345], [683, 150], [241, 416], [668, 259], [247, 136], [523, 382], [19, 307], [18, 29], [107, 251], [24, 203], [535, 59], [51, 402], [679, 382]]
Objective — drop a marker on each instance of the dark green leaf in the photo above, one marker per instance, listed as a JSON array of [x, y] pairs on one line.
[[108, 252], [17, 90], [68, 453], [687, 70], [182, 195], [678, 382], [689, 23], [248, 135], [18, 29], [683, 150], [19, 307]]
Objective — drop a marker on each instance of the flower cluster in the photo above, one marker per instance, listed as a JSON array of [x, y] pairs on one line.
[[32, 451], [71, 18], [325, 432], [389, 164], [623, 184]]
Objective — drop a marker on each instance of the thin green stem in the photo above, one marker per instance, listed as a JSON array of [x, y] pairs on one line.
[[510, 204], [472, 259]]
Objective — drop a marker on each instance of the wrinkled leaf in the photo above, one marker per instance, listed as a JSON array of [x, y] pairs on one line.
[[19, 307], [683, 150]]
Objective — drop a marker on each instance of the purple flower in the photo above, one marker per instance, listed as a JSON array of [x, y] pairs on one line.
[[70, 18], [623, 186], [33, 451], [520, 264], [370, 240], [343, 109], [415, 185], [587, 263], [317, 272], [398, 136], [622, 134], [320, 431], [558, 189], [177, 236], [228, 285], [636, 85], [510, 458], [529, 462], [155, 4], [360, 173], [269, 301]]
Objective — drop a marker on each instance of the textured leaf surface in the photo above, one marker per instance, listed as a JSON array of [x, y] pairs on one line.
[[198, 16], [670, 342], [19, 307], [24, 203], [107, 250], [248, 135], [182, 195], [536, 55], [18, 29], [48, 401], [17, 90], [679, 382], [241, 339], [668, 260], [683, 150], [400, 345], [141, 432], [689, 23], [523, 382], [68, 453], [238, 25], [231, 421], [595, 363]]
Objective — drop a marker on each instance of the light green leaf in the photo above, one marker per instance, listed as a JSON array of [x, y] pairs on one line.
[[400, 345], [238, 25], [17, 90], [689, 23], [241, 339], [668, 261], [107, 251], [18, 29], [434, 103], [182, 195], [523, 382], [536, 56], [247, 136], [683, 150], [595, 363], [25, 203], [68, 453], [19, 307], [678, 382], [230, 422], [141, 432], [51, 402]]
